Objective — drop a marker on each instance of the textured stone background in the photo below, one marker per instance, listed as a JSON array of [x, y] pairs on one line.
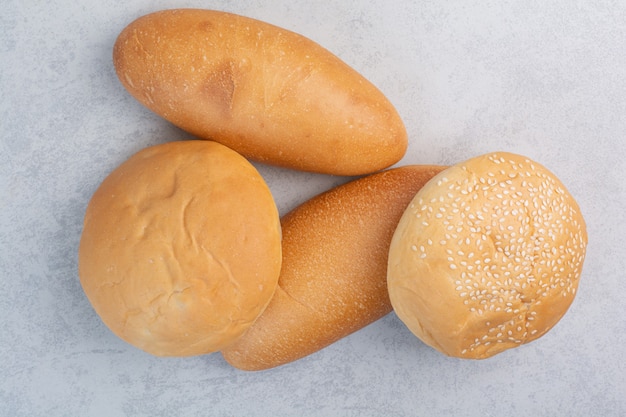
[[545, 79]]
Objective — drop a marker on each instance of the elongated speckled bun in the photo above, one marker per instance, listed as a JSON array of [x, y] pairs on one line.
[[487, 256]]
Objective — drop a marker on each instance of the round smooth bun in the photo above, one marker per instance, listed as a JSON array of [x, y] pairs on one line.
[[180, 251], [487, 256]]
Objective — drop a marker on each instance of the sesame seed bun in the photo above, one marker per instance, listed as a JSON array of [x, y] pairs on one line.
[[487, 256], [180, 251]]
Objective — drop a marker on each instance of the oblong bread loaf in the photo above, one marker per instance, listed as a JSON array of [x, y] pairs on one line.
[[333, 276], [268, 93]]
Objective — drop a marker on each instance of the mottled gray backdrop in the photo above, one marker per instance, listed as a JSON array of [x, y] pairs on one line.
[[543, 78]]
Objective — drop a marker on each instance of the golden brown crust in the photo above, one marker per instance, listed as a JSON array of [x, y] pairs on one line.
[[268, 93], [333, 279], [180, 250], [487, 256]]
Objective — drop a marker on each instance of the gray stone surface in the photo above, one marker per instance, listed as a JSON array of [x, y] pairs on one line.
[[544, 79]]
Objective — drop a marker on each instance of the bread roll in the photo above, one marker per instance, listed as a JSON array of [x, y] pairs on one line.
[[487, 256], [333, 279], [180, 250], [268, 93]]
